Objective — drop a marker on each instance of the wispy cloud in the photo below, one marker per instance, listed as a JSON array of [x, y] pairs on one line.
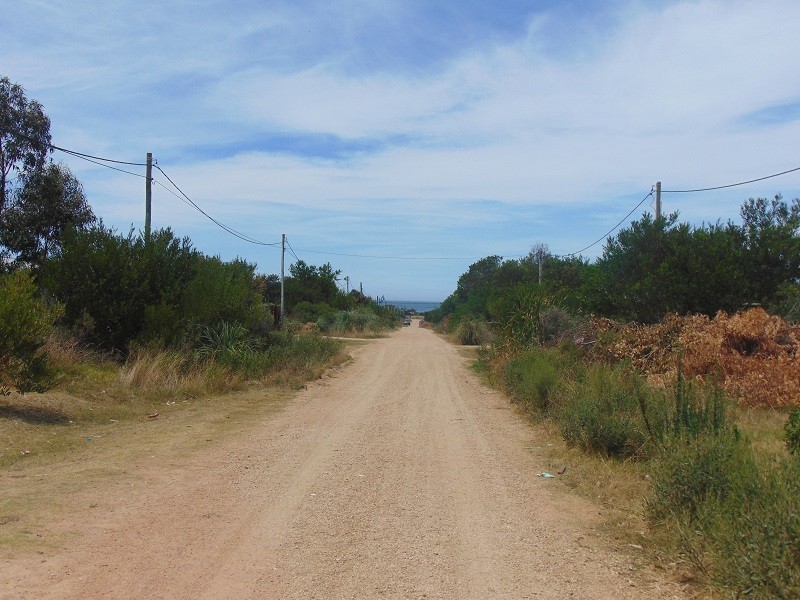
[[384, 128]]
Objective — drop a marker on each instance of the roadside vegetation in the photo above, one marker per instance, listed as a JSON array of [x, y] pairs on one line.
[[98, 325], [669, 368]]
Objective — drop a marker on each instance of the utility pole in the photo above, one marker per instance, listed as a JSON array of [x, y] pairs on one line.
[[347, 281], [658, 200], [361, 288], [283, 256], [148, 197], [541, 250]]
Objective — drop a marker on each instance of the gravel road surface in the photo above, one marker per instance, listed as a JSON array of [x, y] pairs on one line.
[[397, 476]]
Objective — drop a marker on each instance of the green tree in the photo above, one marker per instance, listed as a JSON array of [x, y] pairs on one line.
[[631, 282], [25, 321], [309, 283], [42, 208], [772, 246], [24, 135]]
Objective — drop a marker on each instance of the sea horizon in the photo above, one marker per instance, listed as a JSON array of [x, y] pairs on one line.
[[420, 306]]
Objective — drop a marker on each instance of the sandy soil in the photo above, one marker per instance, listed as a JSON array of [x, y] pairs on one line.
[[399, 477]]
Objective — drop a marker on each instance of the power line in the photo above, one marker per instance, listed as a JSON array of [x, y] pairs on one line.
[[613, 229], [730, 185], [87, 156], [391, 257], [97, 162], [101, 161], [230, 230], [291, 250]]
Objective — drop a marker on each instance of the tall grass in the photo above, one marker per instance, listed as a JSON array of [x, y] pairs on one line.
[[472, 332], [733, 511], [533, 378], [177, 372], [225, 360]]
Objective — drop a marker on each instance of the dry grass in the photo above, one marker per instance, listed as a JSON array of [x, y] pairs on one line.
[[177, 373]]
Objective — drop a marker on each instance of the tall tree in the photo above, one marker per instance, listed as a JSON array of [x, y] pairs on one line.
[[24, 135], [47, 202], [771, 231]]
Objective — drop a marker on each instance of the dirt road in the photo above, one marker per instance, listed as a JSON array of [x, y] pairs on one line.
[[401, 476]]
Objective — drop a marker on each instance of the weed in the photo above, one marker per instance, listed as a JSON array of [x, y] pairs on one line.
[[532, 378], [472, 332], [792, 432], [601, 412]]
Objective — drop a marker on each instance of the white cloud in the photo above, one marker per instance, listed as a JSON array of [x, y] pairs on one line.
[[642, 94]]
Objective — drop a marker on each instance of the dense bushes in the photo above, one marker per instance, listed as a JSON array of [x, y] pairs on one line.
[[649, 269], [25, 322], [118, 289], [733, 511]]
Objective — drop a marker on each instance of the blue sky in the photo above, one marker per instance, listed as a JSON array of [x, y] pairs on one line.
[[414, 129]]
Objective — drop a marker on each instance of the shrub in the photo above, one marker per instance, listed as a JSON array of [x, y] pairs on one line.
[[756, 542], [364, 319], [693, 470], [792, 432], [558, 326], [472, 332], [532, 378], [736, 517], [150, 293], [601, 412], [25, 322]]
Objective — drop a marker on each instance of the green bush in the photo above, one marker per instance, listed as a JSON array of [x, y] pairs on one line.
[[736, 517], [532, 378], [25, 322], [755, 542], [693, 470], [153, 293], [472, 332], [363, 319], [792, 432], [602, 412]]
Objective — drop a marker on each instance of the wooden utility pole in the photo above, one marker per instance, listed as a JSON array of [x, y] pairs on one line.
[[658, 200], [283, 256], [148, 197], [541, 251]]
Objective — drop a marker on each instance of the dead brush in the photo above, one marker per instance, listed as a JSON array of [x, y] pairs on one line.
[[752, 355]]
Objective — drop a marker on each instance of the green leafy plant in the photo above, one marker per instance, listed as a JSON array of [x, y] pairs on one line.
[[792, 432], [25, 322]]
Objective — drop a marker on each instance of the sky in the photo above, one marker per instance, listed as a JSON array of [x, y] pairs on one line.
[[401, 141]]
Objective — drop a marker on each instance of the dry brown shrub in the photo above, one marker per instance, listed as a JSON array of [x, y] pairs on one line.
[[751, 354]]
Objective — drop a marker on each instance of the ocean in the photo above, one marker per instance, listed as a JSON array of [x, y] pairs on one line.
[[420, 306]]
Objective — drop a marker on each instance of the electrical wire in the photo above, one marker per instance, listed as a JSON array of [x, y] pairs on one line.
[[291, 250], [101, 161], [730, 185], [613, 229], [391, 257], [220, 224], [87, 156], [97, 162]]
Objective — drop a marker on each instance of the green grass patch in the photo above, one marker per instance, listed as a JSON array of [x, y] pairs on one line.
[[724, 491]]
